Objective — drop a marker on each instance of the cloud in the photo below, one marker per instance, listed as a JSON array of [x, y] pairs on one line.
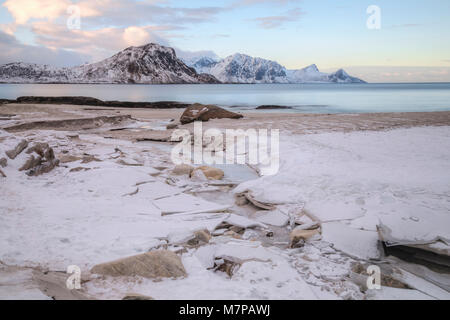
[[256, 2], [99, 43], [188, 55], [272, 22], [107, 26], [12, 50], [101, 13], [8, 28]]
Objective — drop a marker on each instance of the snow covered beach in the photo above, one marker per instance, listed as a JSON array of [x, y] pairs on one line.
[[106, 200]]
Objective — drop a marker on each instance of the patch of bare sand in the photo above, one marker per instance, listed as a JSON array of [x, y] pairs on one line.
[[295, 123]]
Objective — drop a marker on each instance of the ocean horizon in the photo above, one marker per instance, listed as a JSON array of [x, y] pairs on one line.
[[300, 98]]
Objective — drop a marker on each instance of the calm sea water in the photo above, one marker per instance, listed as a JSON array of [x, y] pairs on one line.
[[309, 98]]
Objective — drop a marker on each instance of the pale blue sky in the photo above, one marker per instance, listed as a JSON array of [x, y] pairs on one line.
[[329, 33]]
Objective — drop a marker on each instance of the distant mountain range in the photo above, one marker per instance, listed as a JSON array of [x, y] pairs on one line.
[[156, 64], [241, 68]]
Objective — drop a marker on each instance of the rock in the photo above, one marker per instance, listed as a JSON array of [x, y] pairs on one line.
[[227, 266], [129, 162], [210, 172], [182, 169], [201, 112], [77, 169], [272, 107], [45, 167], [38, 147], [69, 158], [136, 296], [42, 161], [308, 226], [231, 233], [299, 236], [12, 154], [200, 237], [90, 158], [241, 200], [31, 162], [88, 101], [154, 264], [172, 126], [3, 162], [257, 203], [69, 124]]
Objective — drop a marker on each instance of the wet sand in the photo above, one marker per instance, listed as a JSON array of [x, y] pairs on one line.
[[295, 123]]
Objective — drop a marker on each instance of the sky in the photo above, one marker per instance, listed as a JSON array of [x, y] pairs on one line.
[[395, 41]]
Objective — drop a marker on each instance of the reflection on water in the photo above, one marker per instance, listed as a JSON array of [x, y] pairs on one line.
[[308, 98]]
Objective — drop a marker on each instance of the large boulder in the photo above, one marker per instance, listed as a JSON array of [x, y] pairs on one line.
[[41, 160], [201, 112], [154, 264]]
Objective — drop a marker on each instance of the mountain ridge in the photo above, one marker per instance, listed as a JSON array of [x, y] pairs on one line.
[[242, 68], [155, 64], [147, 64]]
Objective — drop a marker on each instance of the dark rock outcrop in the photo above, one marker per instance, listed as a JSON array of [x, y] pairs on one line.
[[271, 107], [89, 101]]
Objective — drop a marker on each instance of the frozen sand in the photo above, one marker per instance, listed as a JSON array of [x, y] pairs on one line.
[[352, 179]]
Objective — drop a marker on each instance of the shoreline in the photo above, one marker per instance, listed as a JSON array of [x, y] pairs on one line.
[[294, 123]]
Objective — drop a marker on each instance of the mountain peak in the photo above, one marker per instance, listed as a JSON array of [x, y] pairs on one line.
[[312, 67], [150, 63]]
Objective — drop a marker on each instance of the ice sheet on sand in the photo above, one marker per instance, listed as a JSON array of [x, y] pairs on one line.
[[82, 218], [157, 190], [275, 279], [187, 204], [418, 225], [333, 211], [421, 284], [356, 243], [237, 251], [442, 280], [342, 176], [272, 217], [243, 222], [16, 284], [388, 293]]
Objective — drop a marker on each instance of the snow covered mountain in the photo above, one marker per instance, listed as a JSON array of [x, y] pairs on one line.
[[202, 64], [30, 73], [342, 76], [150, 63], [155, 64], [240, 68]]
